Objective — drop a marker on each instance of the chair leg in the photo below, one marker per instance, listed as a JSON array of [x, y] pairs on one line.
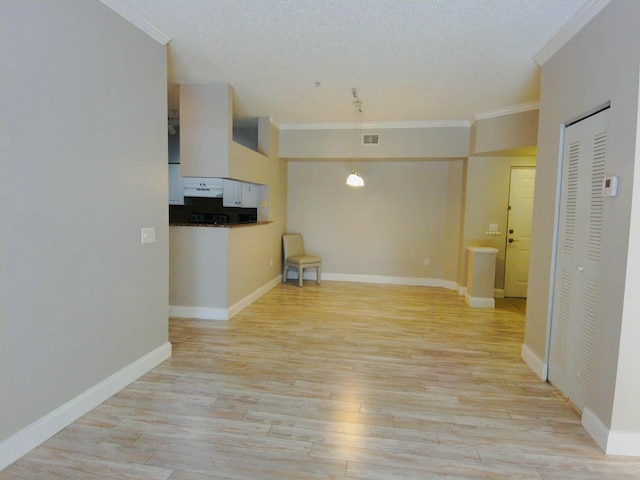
[[318, 275], [284, 274], [300, 272]]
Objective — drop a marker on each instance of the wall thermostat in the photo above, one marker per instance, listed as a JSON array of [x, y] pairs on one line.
[[610, 186]]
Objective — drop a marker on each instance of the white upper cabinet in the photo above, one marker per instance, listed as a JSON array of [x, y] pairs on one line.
[[231, 193], [239, 194], [202, 182], [249, 196]]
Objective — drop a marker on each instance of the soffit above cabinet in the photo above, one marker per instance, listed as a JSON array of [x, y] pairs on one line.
[[207, 148]]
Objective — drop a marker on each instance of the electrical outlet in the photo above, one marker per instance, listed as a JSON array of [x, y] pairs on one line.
[[426, 261], [263, 204], [148, 235], [493, 227]]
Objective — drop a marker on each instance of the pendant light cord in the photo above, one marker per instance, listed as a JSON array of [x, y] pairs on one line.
[[355, 179], [357, 125]]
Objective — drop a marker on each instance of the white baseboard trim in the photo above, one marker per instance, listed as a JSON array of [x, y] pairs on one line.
[[213, 313], [534, 362], [462, 291], [612, 442], [201, 313], [594, 426], [34, 434], [623, 443], [449, 285], [252, 297], [481, 302], [384, 279]]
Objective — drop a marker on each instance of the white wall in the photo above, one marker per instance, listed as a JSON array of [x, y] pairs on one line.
[[83, 168], [386, 228], [600, 64]]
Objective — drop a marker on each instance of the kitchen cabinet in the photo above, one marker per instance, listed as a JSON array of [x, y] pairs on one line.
[[176, 194], [249, 195], [202, 187], [239, 194], [231, 193]]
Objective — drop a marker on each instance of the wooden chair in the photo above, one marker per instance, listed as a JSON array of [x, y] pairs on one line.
[[295, 257]]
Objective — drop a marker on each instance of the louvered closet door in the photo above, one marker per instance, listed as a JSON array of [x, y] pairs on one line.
[[578, 256]]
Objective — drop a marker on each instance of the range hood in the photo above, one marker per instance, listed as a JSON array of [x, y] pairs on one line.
[[203, 192], [202, 187]]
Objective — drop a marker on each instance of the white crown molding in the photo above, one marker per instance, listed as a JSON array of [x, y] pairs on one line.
[[499, 112], [376, 125], [126, 10], [275, 122], [573, 26]]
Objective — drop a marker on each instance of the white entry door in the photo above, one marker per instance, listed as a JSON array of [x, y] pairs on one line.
[[575, 292], [516, 270]]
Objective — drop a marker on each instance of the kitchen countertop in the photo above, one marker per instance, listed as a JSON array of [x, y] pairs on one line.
[[221, 225]]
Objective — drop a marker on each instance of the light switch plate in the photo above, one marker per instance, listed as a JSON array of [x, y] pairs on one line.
[[148, 235]]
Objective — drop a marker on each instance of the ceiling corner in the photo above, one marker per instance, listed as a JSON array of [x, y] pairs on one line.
[[126, 10], [573, 26]]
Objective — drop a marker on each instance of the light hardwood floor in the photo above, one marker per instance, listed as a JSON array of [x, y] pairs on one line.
[[332, 381]]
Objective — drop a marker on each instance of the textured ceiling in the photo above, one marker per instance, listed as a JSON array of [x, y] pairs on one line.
[[411, 60]]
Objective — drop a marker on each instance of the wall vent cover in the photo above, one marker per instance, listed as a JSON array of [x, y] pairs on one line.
[[371, 139]]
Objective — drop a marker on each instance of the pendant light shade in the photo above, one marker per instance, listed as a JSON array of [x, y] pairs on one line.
[[355, 180]]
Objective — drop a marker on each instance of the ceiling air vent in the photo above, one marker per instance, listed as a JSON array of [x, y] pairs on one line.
[[371, 139]]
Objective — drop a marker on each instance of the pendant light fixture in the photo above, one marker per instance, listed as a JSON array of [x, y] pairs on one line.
[[354, 179]]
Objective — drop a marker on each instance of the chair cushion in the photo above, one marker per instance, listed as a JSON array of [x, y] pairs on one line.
[[303, 259]]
